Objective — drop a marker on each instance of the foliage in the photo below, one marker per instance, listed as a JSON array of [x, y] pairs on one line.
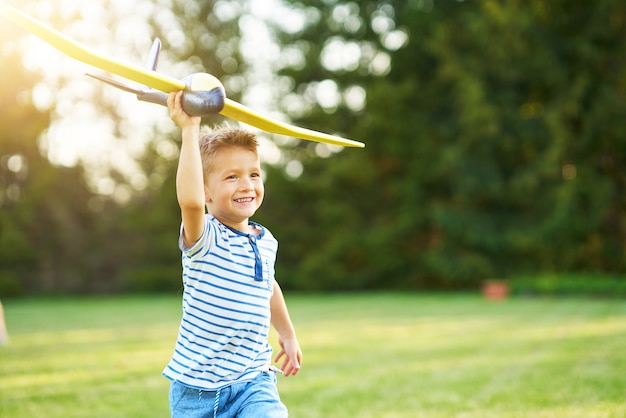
[[578, 284], [440, 356], [495, 134], [495, 145]]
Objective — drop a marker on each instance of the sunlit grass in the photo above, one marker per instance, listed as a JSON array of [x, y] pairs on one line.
[[365, 356], [87, 358]]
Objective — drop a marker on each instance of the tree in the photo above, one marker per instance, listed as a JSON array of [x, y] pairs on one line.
[[495, 147], [494, 142]]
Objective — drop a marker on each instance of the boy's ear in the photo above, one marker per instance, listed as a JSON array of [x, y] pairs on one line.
[[207, 195]]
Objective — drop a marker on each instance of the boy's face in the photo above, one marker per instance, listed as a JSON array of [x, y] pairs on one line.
[[234, 188]]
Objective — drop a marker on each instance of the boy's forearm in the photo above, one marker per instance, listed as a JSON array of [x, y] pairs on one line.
[[280, 315], [189, 176], [289, 352], [190, 185], [189, 179]]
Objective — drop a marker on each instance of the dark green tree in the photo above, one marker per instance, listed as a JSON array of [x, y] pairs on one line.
[[495, 144]]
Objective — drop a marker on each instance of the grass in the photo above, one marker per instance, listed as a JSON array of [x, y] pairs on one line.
[[389, 355]]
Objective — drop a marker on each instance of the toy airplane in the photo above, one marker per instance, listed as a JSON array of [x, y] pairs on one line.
[[203, 95]]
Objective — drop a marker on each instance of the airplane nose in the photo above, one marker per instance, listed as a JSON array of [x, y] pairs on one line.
[[204, 96]]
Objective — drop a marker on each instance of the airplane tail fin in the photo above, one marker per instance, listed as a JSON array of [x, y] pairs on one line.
[[153, 58], [143, 93]]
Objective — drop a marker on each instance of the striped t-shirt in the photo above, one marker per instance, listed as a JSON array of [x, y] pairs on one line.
[[228, 279]]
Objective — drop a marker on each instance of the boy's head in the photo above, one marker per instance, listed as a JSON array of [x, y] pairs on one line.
[[232, 174]]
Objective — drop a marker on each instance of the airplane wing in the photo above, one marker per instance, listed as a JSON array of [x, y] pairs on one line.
[[244, 114], [163, 83]]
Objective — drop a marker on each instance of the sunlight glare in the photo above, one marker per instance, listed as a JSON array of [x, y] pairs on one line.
[[80, 132]]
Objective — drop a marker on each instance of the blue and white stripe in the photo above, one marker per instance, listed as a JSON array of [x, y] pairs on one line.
[[223, 335]]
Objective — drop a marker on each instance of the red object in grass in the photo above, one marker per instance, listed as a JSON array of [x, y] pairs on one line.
[[495, 289]]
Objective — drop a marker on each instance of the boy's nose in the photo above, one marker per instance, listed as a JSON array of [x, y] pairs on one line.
[[247, 185]]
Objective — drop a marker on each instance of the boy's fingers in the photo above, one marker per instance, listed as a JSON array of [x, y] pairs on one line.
[[292, 370], [173, 100], [280, 355], [291, 366]]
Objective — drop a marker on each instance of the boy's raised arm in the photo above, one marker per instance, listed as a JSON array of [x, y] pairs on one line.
[[189, 176]]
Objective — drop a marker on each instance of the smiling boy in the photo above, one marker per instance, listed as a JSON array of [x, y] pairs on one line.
[[221, 361]]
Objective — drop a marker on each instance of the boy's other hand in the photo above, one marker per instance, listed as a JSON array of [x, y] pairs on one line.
[[290, 350]]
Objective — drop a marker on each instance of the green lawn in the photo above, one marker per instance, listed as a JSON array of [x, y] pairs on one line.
[[389, 355]]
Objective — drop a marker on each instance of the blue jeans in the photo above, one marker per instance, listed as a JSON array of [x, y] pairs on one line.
[[255, 399]]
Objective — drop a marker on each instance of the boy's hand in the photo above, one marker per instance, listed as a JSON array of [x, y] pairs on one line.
[[178, 115], [290, 349]]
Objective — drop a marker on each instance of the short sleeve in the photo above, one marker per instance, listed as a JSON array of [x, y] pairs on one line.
[[202, 241]]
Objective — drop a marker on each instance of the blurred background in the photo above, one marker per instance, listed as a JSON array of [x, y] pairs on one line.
[[495, 133]]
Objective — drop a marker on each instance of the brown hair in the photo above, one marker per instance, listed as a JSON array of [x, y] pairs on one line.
[[221, 137]]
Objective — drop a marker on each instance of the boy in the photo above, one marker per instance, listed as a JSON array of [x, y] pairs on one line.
[[221, 362]]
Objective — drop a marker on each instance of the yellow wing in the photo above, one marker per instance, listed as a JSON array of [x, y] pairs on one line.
[[162, 82], [244, 114], [75, 50]]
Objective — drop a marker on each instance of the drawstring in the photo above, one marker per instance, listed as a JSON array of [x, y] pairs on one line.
[[215, 404], [217, 401]]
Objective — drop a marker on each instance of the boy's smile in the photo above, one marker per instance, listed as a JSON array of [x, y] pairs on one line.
[[234, 188]]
